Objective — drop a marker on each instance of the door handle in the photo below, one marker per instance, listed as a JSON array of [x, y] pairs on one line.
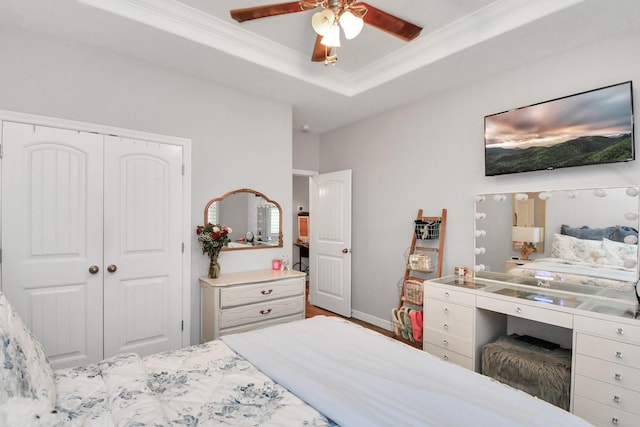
[[111, 268], [94, 269], [346, 251]]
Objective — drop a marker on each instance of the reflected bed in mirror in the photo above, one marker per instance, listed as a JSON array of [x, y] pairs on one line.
[[255, 219], [590, 237]]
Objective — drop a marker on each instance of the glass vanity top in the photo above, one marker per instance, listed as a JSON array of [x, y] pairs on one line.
[[583, 297]]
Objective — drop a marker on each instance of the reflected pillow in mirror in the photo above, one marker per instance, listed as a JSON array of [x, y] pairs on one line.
[[573, 249], [619, 232], [620, 254], [585, 232]]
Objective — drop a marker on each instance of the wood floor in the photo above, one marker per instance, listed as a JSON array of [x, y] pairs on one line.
[[312, 310]]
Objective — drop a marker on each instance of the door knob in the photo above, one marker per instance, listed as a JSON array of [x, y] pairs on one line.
[[94, 269], [346, 251], [111, 268]]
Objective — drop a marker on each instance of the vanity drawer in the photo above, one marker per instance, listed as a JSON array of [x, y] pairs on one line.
[[613, 351], [544, 315], [232, 296], [258, 312], [602, 415], [615, 330], [448, 310], [610, 395], [449, 326], [448, 295], [448, 341], [608, 372], [448, 355]]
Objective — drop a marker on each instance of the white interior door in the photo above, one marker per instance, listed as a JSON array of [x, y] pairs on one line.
[[52, 236], [143, 246], [330, 242]]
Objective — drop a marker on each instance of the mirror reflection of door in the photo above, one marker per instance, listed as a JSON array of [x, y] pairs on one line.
[[529, 212]]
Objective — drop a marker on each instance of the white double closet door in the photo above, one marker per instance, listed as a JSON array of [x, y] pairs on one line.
[[91, 241]]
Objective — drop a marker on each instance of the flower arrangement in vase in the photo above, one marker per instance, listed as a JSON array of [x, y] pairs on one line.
[[212, 238]]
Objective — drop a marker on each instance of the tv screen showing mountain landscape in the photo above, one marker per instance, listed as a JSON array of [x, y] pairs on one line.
[[588, 128]]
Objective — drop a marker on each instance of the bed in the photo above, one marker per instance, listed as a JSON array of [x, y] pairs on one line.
[[322, 371], [590, 257]]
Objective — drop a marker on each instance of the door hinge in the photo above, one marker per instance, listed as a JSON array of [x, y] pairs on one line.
[[182, 247], [183, 169], [0, 256], [182, 325], [1, 147]]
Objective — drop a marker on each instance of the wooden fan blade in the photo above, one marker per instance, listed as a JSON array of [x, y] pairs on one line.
[[389, 23], [256, 12], [318, 54]]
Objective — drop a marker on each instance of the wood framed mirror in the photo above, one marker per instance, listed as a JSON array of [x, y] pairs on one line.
[[255, 219]]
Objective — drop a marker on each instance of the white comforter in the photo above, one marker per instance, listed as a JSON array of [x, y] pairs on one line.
[[360, 378]]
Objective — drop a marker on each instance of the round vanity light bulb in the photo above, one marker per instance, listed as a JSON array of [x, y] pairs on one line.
[[632, 191], [323, 21], [544, 195], [630, 240], [499, 197], [481, 215], [480, 233], [631, 216], [629, 263], [480, 251], [572, 194], [600, 192], [480, 197], [522, 196], [351, 25], [479, 267]]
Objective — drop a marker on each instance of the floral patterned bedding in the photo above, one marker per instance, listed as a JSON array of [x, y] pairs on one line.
[[203, 385]]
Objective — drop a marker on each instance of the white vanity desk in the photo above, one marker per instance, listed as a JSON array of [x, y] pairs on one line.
[[462, 315], [248, 300]]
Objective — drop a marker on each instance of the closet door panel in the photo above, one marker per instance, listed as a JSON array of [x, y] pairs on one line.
[[143, 217], [52, 235]]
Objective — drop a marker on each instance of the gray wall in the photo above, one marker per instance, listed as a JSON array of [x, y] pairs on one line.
[[231, 132], [429, 155]]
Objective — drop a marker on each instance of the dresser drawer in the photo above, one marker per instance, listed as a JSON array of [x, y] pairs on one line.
[[516, 309], [610, 395], [456, 328], [448, 295], [232, 296], [448, 341], [610, 350], [608, 372], [615, 330], [259, 312], [450, 356], [263, 324], [448, 310], [602, 415]]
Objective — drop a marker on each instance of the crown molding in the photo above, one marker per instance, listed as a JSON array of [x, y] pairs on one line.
[[184, 21]]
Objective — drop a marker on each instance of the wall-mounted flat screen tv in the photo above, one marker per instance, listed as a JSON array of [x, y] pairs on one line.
[[587, 128]]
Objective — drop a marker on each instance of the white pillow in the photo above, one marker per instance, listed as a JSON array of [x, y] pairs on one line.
[[24, 368], [620, 254], [573, 249]]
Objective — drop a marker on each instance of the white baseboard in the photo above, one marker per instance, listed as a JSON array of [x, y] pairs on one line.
[[376, 321]]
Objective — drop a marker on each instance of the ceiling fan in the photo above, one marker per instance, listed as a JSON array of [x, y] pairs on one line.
[[350, 15]]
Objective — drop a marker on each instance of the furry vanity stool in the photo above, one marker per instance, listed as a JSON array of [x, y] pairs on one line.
[[541, 372]]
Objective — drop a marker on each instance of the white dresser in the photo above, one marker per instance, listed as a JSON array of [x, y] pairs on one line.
[[239, 302], [462, 315]]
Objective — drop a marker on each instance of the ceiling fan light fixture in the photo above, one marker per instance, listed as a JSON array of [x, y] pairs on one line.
[[323, 21], [332, 37], [351, 25]]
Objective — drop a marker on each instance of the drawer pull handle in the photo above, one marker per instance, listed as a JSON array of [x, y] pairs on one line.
[[445, 326], [518, 310], [446, 311], [446, 294], [266, 291], [616, 399], [618, 377], [267, 311], [445, 357], [620, 331], [618, 354], [614, 420], [445, 342]]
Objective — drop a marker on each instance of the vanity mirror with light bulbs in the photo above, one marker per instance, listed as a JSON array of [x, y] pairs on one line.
[[255, 220]]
